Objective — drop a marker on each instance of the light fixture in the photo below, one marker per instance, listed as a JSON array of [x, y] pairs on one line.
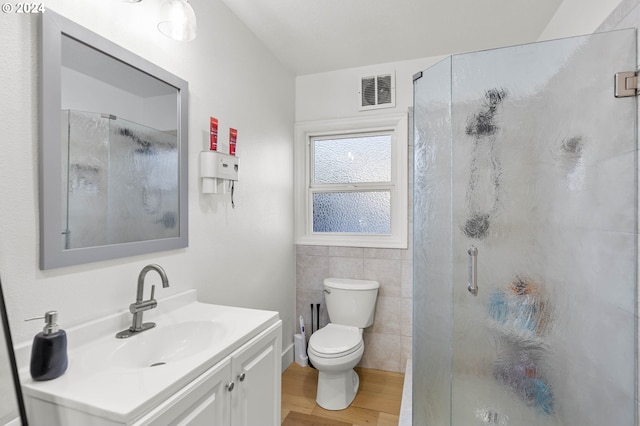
[[177, 20]]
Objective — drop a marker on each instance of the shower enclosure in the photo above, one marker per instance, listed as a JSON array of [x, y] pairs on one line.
[[525, 236]]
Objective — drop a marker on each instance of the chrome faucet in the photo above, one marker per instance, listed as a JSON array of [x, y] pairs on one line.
[[138, 308]]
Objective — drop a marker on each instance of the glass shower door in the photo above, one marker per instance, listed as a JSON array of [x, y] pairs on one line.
[[119, 181], [432, 290], [525, 185]]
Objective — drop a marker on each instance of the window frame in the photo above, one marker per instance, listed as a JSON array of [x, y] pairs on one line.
[[397, 126]]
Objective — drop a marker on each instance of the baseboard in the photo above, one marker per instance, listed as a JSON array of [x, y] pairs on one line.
[[287, 356]]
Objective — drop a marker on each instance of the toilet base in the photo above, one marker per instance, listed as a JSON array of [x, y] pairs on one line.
[[337, 389]]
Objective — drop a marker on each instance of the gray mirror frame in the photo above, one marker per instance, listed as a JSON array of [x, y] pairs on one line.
[[52, 254]]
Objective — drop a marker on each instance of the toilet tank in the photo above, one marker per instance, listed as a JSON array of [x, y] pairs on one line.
[[351, 302]]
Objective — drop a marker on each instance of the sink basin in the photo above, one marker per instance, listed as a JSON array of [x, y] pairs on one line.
[[166, 343]]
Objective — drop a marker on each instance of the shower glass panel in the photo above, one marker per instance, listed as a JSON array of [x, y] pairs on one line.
[[432, 306], [120, 181], [525, 155]]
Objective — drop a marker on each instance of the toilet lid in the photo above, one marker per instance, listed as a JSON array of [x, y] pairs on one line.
[[336, 340]]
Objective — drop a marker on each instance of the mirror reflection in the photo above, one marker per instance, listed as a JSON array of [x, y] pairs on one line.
[[117, 124], [120, 151]]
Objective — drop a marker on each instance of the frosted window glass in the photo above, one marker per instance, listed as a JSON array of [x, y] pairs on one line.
[[360, 212], [352, 160]]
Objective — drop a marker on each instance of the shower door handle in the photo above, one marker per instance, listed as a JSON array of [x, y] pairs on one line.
[[472, 282]]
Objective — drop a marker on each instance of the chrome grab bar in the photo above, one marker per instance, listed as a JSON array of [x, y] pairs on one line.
[[472, 283]]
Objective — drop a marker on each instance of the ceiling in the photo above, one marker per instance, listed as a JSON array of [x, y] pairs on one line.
[[312, 36]]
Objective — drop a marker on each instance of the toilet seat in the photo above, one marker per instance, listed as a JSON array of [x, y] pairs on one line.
[[335, 341]]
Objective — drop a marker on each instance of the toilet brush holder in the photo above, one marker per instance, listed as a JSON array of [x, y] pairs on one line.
[[301, 350]]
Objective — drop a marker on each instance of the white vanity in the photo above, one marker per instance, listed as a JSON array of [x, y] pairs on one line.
[[201, 364]]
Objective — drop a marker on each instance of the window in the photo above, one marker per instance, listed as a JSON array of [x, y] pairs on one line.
[[351, 182], [350, 185]]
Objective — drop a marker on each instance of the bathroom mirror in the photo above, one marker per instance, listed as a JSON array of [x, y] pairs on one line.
[[12, 408], [113, 150]]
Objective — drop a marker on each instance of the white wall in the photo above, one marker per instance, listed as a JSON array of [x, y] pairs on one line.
[[243, 256], [335, 94], [578, 17]]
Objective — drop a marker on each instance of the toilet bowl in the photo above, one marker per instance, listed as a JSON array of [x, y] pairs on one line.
[[338, 347], [334, 350]]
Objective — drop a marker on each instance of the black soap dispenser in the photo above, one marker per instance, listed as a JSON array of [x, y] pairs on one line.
[[49, 351]]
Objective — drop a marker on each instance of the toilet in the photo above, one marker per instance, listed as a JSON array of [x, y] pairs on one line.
[[338, 347]]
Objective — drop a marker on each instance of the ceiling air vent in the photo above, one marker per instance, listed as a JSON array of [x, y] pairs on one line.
[[377, 91]]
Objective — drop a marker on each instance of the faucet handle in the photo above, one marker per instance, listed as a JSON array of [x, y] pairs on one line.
[[153, 291]]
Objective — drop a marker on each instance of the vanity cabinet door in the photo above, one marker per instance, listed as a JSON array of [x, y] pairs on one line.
[[205, 401], [256, 369]]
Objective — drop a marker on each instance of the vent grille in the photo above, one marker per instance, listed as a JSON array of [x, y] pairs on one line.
[[377, 91], [368, 91]]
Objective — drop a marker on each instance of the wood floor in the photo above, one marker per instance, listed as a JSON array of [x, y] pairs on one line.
[[376, 404]]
